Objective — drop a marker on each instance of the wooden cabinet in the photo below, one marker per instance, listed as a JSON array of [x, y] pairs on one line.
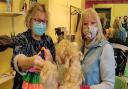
[[6, 73]]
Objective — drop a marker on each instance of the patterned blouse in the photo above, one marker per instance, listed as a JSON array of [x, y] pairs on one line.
[[25, 44]]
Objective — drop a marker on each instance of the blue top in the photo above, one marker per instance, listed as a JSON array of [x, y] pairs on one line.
[[99, 66]]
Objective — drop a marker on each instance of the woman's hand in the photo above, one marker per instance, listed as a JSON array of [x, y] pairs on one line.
[[48, 55], [37, 63]]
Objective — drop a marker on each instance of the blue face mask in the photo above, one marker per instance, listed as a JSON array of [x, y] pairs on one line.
[[39, 28]]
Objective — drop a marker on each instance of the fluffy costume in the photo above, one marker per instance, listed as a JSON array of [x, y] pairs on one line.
[[49, 75], [69, 72], [49, 72], [69, 56]]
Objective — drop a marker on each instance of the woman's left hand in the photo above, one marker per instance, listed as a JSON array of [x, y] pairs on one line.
[[47, 54]]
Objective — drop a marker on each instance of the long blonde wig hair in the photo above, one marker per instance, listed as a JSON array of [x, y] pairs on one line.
[[90, 12]]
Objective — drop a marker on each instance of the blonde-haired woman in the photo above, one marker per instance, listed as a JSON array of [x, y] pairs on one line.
[[119, 32], [25, 60], [98, 63]]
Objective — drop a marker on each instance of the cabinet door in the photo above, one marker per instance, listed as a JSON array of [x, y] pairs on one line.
[[5, 25], [5, 60]]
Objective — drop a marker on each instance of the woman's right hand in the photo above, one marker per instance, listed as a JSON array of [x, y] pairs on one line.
[[37, 62]]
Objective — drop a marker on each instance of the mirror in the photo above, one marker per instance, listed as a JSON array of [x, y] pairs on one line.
[[105, 16]]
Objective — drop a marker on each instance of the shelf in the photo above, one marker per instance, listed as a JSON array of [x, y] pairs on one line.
[[11, 13], [5, 77]]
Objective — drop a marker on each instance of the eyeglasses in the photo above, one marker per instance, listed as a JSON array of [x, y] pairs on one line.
[[39, 20]]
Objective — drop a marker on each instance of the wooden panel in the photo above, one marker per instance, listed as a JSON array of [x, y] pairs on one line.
[[11, 13], [2, 0]]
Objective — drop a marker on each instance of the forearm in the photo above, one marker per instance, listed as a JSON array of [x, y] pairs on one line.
[[24, 62]]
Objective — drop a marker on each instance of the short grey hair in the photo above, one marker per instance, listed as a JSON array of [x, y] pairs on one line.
[[31, 12]]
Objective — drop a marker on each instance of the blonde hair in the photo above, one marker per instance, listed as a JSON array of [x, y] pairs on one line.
[[89, 12], [72, 75], [65, 50], [116, 24], [32, 11]]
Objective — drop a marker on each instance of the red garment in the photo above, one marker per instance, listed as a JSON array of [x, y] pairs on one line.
[[27, 85], [84, 87]]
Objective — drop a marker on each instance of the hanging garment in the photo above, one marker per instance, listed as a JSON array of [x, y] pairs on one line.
[[5, 42], [121, 60]]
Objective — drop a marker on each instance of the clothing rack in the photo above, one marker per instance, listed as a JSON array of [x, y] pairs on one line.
[[76, 11]]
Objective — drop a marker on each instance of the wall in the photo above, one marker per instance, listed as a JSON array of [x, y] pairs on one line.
[[2, 7], [59, 14], [89, 3], [45, 2], [120, 10], [117, 9]]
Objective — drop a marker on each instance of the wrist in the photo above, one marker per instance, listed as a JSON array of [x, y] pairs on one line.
[[18, 64], [30, 61], [25, 62]]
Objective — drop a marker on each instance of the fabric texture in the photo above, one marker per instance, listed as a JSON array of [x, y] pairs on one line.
[[5, 42], [120, 83], [126, 70]]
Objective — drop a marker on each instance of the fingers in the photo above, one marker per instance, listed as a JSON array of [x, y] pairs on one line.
[[38, 62], [37, 69], [47, 54]]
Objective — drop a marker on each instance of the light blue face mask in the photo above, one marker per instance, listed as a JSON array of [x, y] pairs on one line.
[[39, 28]]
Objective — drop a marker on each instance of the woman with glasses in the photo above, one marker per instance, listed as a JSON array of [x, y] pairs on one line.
[[28, 44]]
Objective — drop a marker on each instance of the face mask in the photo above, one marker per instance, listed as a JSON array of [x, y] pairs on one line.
[[90, 33], [39, 28]]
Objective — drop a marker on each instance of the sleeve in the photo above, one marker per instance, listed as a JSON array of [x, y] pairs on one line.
[[19, 49], [107, 69]]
